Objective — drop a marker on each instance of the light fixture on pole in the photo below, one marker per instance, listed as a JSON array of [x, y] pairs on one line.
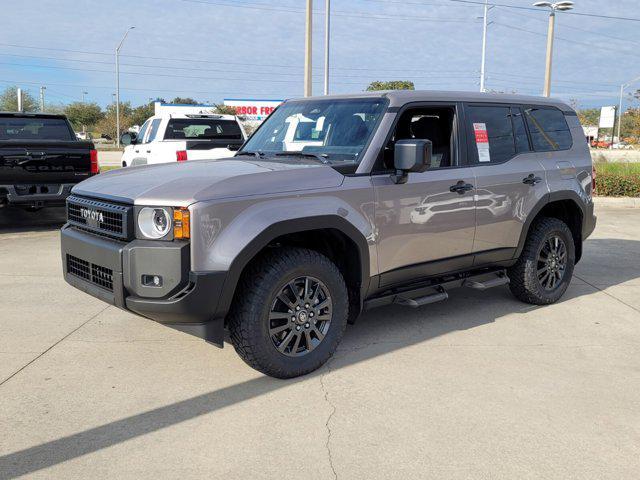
[[622, 89], [118, 85], [557, 6]]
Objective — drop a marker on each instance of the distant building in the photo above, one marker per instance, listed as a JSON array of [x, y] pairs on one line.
[[590, 132], [185, 109]]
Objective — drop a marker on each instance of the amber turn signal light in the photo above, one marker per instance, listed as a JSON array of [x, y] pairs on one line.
[[181, 223]]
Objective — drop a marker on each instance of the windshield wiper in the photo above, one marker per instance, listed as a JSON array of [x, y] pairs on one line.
[[319, 157], [251, 154]]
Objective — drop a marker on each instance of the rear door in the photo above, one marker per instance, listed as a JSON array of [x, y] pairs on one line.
[[510, 180]]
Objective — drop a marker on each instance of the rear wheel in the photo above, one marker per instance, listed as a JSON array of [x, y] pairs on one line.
[[289, 312], [545, 267]]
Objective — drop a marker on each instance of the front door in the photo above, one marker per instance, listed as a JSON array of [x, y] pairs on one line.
[[426, 226]]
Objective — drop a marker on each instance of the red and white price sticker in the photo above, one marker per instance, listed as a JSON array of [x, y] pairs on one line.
[[482, 142]]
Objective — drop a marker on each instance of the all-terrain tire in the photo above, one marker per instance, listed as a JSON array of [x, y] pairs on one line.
[[249, 318], [525, 282]]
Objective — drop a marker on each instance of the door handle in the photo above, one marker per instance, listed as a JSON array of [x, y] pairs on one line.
[[461, 187], [148, 151], [531, 180]]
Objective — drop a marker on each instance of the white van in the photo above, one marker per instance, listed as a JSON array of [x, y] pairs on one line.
[[178, 137]]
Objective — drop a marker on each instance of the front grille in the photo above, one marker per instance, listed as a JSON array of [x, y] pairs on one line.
[[97, 274], [102, 218]]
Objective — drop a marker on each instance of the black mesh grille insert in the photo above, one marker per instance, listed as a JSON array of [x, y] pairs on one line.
[[102, 218], [97, 274]]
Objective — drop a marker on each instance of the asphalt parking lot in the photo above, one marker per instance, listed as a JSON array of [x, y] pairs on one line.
[[478, 387]]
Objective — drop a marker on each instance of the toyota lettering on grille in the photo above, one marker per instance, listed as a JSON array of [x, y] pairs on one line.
[[92, 216]]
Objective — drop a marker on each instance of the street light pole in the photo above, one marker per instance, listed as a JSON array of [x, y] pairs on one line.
[[308, 85], [547, 71], [327, 31], [484, 44], [83, 94], [622, 88], [118, 85], [558, 6]]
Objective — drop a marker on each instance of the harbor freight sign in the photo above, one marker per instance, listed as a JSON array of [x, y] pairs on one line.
[[256, 110]]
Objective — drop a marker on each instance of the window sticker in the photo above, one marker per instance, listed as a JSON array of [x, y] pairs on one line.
[[482, 142]]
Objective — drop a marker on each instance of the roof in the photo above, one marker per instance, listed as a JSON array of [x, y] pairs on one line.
[[33, 114], [400, 97], [178, 115]]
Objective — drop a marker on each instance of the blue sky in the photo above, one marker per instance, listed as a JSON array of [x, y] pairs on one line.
[[212, 49]]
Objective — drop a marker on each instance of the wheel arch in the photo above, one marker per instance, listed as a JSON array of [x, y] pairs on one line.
[[312, 232], [563, 205]]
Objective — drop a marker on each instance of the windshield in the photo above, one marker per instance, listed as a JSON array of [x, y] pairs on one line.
[[335, 130]]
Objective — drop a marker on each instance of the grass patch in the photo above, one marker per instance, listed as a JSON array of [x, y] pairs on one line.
[[620, 168]]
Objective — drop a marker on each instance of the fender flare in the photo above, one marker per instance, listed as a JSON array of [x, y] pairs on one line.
[[543, 202], [285, 227]]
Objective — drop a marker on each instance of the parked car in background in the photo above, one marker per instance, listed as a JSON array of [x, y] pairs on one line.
[[84, 136], [41, 159], [178, 137]]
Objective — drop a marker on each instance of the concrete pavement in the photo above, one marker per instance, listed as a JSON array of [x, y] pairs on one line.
[[481, 386]]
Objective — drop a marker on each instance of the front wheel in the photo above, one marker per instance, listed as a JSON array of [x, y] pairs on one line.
[[545, 267], [290, 311]]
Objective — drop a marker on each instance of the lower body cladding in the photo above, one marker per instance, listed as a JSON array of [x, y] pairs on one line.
[[35, 195], [150, 278]]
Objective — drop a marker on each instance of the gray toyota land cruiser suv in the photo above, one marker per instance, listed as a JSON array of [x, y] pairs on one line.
[[336, 205]]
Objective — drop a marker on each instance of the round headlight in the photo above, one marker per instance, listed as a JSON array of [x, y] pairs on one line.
[[154, 222]]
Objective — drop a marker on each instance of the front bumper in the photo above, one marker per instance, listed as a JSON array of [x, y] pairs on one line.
[[111, 271]]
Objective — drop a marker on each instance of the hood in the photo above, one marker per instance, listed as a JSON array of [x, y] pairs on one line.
[[181, 184]]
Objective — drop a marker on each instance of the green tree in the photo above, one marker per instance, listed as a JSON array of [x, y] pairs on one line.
[[85, 115], [108, 123], [224, 109], [9, 101], [630, 128], [141, 113], [391, 85], [185, 101], [589, 116]]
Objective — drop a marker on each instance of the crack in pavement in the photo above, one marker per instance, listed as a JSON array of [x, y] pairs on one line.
[[607, 293], [327, 423], [52, 346]]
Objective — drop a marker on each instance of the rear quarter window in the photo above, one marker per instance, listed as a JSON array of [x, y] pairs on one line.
[[548, 128]]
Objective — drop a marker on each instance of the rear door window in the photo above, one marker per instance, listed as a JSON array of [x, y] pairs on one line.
[[202, 128], [492, 132], [548, 128], [35, 128]]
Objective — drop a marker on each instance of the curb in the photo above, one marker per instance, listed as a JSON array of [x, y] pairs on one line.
[[624, 202]]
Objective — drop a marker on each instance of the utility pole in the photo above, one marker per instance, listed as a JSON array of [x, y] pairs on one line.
[[118, 85], [484, 45], [83, 94], [561, 6], [19, 95], [327, 35], [42, 89], [308, 80]]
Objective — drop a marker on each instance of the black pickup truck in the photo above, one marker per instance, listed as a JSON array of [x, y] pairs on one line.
[[41, 159]]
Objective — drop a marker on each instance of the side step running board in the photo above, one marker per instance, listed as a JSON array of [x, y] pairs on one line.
[[500, 279], [420, 301], [431, 292]]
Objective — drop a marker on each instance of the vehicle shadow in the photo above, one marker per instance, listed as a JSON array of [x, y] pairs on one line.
[[14, 220], [376, 333]]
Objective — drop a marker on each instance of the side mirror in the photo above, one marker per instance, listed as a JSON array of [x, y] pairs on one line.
[[233, 147], [128, 138], [411, 156]]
